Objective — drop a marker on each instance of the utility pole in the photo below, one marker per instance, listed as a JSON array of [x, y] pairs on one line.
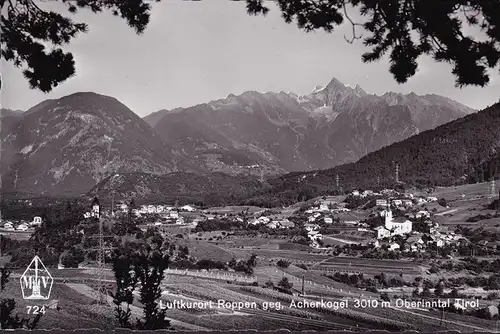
[[492, 187], [113, 203], [303, 288], [99, 279], [337, 180], [397, 173]]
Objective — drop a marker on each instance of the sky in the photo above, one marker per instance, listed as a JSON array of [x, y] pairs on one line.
[[195, 52]]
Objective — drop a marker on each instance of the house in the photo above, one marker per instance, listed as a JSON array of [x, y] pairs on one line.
[[123, 207], [432, 199], [22, 227], [96, 209], [37, 221], [394, 246], [328, 220], [415, 242], [422, 214], [491, 311], [311, 227], [273, 224], [314, 235], [367, 193], [382, 232], [188, 208], [407, 202], [381, 202], [8, 226], [355, 193], [397, 202], [421, 200], [323, 207], [151, 209], [286, 224]]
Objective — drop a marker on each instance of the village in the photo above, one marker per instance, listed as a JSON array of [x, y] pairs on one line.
[[385, 245]]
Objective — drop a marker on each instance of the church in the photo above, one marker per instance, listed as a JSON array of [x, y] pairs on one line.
[[393, 226]]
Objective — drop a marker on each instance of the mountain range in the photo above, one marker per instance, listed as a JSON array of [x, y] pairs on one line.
[[466, 150], [66, 146], [333, 125]]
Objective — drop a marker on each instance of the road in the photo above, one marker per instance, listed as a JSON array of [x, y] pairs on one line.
[[446, 212]]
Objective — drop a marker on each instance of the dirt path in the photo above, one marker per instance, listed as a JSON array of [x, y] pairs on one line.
[[137, 311], [446, 212]]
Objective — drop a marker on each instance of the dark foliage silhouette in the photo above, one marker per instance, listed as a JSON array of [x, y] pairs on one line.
[[405, 29], [27, 29], [408, 29]]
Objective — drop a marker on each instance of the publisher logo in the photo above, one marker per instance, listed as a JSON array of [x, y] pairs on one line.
[[36, 282]]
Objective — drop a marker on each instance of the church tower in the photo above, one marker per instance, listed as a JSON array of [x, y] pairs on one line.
[[388, 216]]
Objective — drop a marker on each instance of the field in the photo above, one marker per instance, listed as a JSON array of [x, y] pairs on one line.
[[234, 209], [369, 266], [289, 255], [205, 250], [469, 190], [17, 235], [465, 201]]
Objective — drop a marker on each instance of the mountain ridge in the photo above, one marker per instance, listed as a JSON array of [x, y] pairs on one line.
[[333, 125], [69, 144]]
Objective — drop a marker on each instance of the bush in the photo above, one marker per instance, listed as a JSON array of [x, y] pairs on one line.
[[283, 263]]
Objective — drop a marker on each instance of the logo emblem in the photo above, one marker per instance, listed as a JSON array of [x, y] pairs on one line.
[[36, 282]]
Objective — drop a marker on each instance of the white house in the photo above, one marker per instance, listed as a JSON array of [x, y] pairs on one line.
[[187, 208], [407, 202], [393, 246], [397, 202], [311, 227], [151, 209], [37, 221], [22, 227], [421, 200], [432, 199], [381, 202], [382, 232], [328, 220], [355, 193], [273, 224], [8, 226], [422, 213]]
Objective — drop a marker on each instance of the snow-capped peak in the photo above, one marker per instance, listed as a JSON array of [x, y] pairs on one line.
[[318, 88]]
